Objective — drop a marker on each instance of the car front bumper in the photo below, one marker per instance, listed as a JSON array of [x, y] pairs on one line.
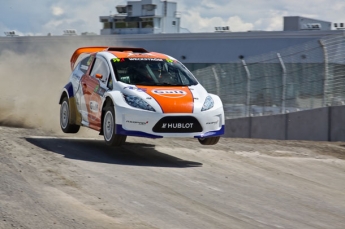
[[141, 123]]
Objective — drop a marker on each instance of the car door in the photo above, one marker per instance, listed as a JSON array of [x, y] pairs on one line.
[[81, 72], [94, 87]]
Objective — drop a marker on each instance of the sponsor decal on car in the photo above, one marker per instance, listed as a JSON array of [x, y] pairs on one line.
[[84, 67], [177, 125], [173, 93], [147, 59], [146, 55], [164, 96], [142, 89], [93, 106], [90, 60], [210, 123], [99, 90], [135, 88], [118, 60], [131, 88], [137, 122]]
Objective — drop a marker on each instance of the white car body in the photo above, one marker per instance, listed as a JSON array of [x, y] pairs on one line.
[[175, 110]]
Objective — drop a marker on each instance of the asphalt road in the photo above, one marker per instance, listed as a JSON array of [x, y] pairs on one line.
[[51, 181]]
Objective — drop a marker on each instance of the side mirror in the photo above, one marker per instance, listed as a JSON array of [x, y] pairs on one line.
[[99, 76]]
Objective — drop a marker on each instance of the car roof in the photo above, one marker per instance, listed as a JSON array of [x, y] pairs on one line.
[[130, 54], [120, 52]]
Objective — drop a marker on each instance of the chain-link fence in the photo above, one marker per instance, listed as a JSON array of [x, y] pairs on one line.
[[302, 77]]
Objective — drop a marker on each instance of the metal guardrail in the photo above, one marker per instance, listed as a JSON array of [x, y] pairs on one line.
[[302, 77]]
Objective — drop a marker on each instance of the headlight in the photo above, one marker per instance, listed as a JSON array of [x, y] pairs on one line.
[[208, 104], [137, 102]]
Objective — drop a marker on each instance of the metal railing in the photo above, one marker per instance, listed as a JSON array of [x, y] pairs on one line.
[[302, 77]]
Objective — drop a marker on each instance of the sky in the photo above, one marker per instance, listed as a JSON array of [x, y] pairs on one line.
[[40, 17]]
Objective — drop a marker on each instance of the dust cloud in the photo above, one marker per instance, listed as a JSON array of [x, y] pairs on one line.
[[29, 89], [31, 80], [33, 72]]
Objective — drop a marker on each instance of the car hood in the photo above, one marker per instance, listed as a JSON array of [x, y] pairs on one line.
[[171, 99]]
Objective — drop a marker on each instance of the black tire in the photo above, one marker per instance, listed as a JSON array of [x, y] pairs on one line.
[[209, 141], [110, 137], [65, 125]]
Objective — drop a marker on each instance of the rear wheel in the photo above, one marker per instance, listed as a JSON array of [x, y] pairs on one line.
[[209, 141], [64, 118], [110, 137]]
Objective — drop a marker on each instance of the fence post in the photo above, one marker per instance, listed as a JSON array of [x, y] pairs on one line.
[[217, 80], [248, 87], [283, 83], [325, 77]]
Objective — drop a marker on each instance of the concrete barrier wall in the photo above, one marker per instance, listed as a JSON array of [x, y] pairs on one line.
[[337, 123], [269, 127], [322, 124], [237, 128], [308, 125]]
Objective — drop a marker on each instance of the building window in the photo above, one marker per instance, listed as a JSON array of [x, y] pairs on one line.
[[107, 25], [149, 7], [120, 25], [147, 24], [173, 23], [132, 24], [123, 25], [129, 10]]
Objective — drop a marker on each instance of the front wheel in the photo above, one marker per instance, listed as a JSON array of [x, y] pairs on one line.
[[110, 137], [209, 141], [66, 127]]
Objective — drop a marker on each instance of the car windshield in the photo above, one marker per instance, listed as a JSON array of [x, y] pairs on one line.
[[153, 71]]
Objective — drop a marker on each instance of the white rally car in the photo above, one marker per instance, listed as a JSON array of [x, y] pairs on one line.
[[121, 91]]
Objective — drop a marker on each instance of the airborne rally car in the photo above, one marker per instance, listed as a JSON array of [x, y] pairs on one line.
[[122, 92]]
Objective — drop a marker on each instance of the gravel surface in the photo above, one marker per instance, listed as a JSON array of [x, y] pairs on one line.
[[74, 181]]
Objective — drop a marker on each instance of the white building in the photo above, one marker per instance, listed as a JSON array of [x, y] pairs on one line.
[[142, 17], [297, 23]]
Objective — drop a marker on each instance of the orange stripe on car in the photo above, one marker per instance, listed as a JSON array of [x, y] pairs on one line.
[[121, 52], [130, 54], [171, 99], [81, 50]]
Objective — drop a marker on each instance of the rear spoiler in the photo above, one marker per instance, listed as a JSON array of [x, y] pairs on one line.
[[82, 50]]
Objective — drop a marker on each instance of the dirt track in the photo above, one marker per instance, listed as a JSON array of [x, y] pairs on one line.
[[53, 181], [59, 182]]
